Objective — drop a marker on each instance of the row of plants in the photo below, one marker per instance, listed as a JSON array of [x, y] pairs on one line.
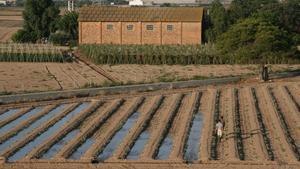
[[169, 54], [262, 126], [166, 130], [292, 97], [137, 106], [284, 125], [97, 126], [70, 128], [237, 126], [33, 57], [216, 116], [145, 125], [195, 110]]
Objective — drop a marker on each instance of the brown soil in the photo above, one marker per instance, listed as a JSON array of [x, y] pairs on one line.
[[25, 77], [254, 148]]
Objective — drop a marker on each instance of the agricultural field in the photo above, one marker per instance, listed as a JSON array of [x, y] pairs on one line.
[[158, 129], [10, 22]]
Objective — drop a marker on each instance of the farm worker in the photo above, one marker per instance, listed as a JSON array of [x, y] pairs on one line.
[[219, 128]]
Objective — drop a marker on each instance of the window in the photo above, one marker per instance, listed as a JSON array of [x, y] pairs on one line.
[[149, 27], [169, 27], [109, 27], [130, 27]]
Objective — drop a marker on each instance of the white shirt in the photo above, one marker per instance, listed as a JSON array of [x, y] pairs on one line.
[[219, 126]]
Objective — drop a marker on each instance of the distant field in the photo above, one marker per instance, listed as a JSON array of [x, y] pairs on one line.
[[10, 22]]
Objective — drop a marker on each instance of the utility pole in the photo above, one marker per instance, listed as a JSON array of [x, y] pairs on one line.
[[71, 5]]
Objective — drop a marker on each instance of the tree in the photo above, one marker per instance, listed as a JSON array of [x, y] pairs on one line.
[[254, 39], [217, 19], [40, 17], [67, 30], [68, 23], [240, 9]]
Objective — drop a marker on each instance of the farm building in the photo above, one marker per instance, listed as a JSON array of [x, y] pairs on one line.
[[140, 25]]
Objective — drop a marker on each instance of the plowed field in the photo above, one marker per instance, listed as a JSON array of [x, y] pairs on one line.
[[167, 129]]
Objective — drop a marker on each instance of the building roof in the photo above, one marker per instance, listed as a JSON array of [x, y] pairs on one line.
[[146, 14]]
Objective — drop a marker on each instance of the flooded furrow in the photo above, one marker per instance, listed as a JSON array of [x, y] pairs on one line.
[[17, 121], [43, 137], [139, 142], [56, 147], [30, 128], [76, 155], [193, 141], [166, 143], [118, 137], [8, 113], [137, 148]]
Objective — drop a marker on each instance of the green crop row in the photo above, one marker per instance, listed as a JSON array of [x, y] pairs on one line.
[[169, 54], [33, 57]]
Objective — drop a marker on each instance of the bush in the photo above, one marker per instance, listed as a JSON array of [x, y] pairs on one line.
[[59, 38], [22, 36]]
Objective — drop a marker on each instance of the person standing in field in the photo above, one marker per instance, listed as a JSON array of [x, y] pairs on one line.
[[219, 129]]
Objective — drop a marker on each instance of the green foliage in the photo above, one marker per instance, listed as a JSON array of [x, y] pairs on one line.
[[240, 9], [217, 21], [22, 36], [68, 23], [40, 17], [59, 38], [152, 54], [255, 40], [31, 57]]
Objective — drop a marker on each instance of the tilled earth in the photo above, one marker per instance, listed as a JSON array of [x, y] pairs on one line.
[[161, 129]]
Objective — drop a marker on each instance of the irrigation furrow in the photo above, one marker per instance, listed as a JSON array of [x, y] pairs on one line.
[[54, 77], [90, 143], [137, 131], [214, 139], [118, 135], [286, 129], [207, 109], [292, 98], [191, 140], [237, 126], [9, 119], [227, 146], [30, 128], [3, 111], [21, 143], [91, 129], [68, 74], [24, 124], [263, 129], [159, 127], [44, 136], [163, 147], [254, 148], [8, 112], [68, 127]]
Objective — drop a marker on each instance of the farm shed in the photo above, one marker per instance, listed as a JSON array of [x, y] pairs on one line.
[[140, 25]]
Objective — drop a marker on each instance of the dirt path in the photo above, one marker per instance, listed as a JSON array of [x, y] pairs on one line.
[[252, 138], [157, 125], [207, 109], [280, 146], [227, 149]]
